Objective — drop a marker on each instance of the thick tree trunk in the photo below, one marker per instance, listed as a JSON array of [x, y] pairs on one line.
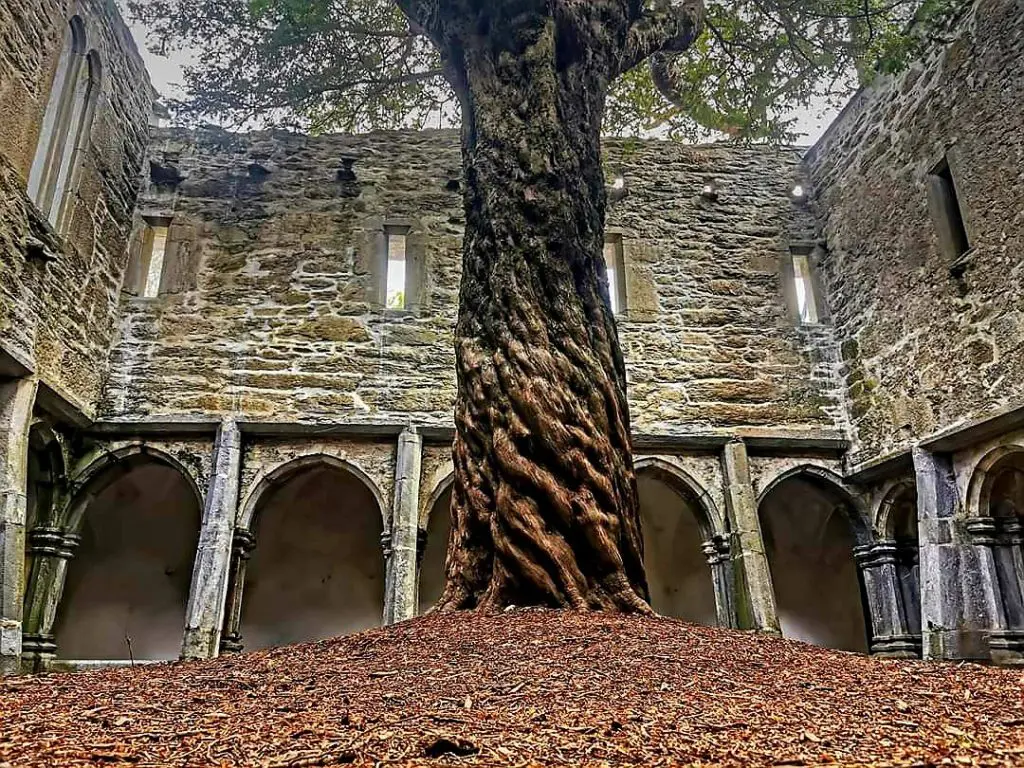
[[544, 503]]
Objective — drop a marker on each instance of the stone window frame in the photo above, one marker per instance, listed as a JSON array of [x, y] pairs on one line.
[[814, 253], [67, 122], [615, 235], [415, 266], [948, 213], [139, 261]]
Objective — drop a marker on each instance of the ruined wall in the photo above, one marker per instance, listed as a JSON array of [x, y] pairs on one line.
[[59, 293], [267, 299], [928, 341]]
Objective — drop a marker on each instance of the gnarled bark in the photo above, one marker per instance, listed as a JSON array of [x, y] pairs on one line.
[[544, 502]]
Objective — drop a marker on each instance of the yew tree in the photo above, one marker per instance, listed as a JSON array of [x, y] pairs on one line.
[[544, 502]]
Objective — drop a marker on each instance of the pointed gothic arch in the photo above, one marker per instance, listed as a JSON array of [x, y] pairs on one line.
[[308, 561], [686, 544], [112, 569], [812, 524]]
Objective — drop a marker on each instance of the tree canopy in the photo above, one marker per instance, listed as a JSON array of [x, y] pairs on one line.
[[330, 65]]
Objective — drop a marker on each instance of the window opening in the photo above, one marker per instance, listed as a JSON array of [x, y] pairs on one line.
[[153, 258], [946, 211], [66, 124], [803, 284], [396, 270], [613, 265]]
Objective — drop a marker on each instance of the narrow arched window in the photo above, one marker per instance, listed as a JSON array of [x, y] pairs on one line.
[[65, 132]]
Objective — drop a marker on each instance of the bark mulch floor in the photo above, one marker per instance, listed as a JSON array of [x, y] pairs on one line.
[[524, 687]]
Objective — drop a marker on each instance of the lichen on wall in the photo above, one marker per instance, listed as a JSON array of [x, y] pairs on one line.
[[59, 292], [928, 341], [273, 310]]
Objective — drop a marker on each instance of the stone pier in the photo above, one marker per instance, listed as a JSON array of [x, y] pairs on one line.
[[755, 597], [400, 599], [204, 617], [16, 401], [959, 607]]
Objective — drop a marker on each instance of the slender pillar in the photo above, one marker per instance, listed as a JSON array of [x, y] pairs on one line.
[[959, 609], [1000, 539], [52, 549], [400, 600], [204, 616], [243, 543], [755, 597], [716, 550], [890, 635], [17, 399]]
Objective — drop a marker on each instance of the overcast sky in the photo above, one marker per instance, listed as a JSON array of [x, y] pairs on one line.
[[166, 75]]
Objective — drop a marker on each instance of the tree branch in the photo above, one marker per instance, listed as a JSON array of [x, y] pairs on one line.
[[423, 14], [670, 27]]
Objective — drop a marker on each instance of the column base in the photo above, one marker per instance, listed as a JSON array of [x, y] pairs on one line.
[[897, 647], [37, 652], [1007, 647], [231, 643]]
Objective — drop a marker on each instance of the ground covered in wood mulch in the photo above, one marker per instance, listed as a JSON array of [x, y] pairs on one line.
[[526, 687]]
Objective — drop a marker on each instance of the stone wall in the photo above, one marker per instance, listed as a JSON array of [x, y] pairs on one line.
[[267, 306], [59, 292], [929, 341]]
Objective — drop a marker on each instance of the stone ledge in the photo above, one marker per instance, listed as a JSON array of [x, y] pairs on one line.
[[759, 441], [964, 435]]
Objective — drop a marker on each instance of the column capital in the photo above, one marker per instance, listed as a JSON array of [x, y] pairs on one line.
[[982, 531], [875, 554], [716, 549], [385, 544], [994, 531], [53, 542], [244, 542]]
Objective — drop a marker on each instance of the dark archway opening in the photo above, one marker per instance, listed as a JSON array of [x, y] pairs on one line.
[[1006, 510], [902, 529], [128, 584], [809, 545], [678, 573], [432, 573], [317, 569]]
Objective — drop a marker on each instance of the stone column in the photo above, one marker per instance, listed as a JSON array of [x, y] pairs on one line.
[[889, 633], [52, 549], [17, 399], [204, 617], [400, 600], [243, 543], [755, 597], [959, 609], [1000, 539], [716, 551]]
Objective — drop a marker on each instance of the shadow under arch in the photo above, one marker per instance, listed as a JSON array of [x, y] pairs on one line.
[[711, 521], [86, 483], [434, 531], [891, 512], [308, 561], [834, 486], [116, 559], [813, 526], [47, 475], [984, 476], [686, 545], [436, 494], [282, 473]]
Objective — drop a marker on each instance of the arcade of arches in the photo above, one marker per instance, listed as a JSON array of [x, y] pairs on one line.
[[118, 550]]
